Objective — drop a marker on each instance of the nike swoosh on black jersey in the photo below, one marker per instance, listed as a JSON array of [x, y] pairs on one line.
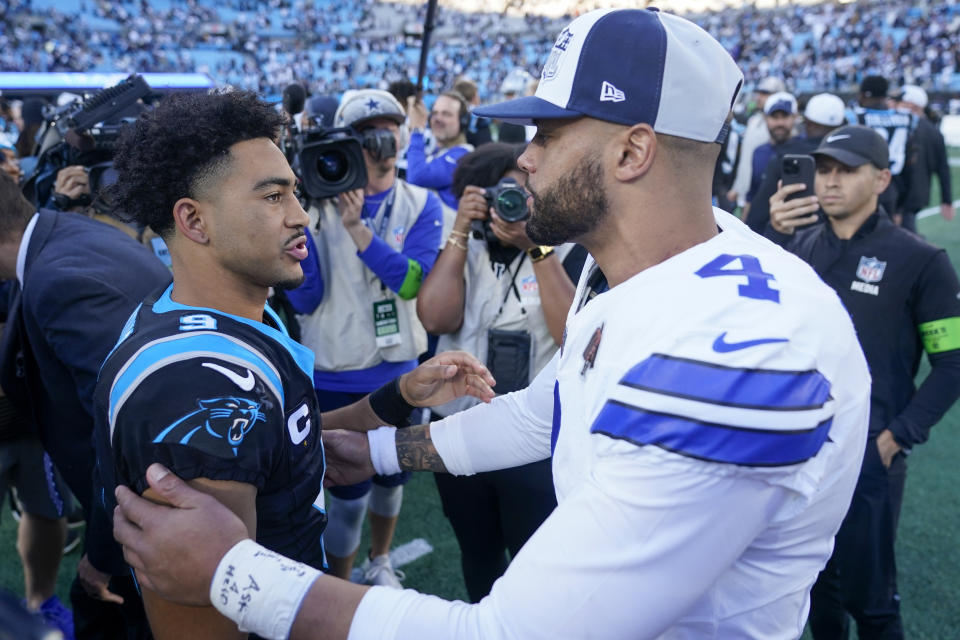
[[244, 382], [722, 346]]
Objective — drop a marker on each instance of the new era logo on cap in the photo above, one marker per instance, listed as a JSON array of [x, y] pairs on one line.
[[646, 65], [609, 93]]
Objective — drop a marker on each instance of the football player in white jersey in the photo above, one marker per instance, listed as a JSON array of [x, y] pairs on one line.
[[707, 414]]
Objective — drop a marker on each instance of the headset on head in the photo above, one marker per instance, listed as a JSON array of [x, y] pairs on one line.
[[464, 108], [353, 95]]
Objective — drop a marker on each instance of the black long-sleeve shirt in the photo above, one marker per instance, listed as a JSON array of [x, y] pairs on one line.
[[928, 157], [904, 298]]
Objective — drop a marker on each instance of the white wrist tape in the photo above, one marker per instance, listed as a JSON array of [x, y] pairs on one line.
[[260, 590], [383, 450]]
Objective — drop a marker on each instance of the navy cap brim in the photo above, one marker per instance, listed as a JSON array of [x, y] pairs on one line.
[[842, 155], [524, 111]]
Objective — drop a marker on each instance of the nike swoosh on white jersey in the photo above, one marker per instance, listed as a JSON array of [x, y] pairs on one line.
[[244, 382], [830, 139]]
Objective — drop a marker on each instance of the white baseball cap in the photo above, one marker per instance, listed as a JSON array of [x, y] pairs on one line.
[[770, 85], [826, 109], [780, 101], [357, 106], [914, 95], [630, 66]]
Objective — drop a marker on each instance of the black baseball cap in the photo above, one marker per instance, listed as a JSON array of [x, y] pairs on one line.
[[855, 145], [874, 87]]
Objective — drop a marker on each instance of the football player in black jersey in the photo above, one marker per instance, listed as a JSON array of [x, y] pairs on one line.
[[204, 377]]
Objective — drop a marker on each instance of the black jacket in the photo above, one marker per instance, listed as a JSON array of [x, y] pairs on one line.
[[904, 298], [928, 157], [82, 280]]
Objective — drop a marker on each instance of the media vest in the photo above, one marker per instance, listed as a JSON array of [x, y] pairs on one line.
[[341, 329], [491, 302]]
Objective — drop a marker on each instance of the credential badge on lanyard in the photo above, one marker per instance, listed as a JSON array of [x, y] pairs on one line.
[[386, 325]]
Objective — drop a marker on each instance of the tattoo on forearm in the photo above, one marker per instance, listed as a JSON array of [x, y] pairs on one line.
[[415, 450]]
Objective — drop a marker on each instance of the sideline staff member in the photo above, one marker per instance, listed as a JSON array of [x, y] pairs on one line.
[[902, 294], [666, 428]]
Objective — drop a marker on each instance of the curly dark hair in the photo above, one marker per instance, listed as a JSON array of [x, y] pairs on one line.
[[178, 149], [485, 166]]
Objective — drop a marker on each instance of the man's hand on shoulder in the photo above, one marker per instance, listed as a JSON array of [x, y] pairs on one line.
[[175, 549]]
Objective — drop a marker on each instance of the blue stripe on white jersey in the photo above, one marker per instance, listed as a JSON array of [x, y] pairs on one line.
[[733, 415], [177, 348], [707, 441], [555, 427], [730, 386]]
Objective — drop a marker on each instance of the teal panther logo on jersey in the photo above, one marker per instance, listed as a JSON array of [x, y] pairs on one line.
[[226, 420]]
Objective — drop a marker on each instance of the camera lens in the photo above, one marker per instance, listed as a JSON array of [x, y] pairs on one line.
[[332, 165], [511, 204]]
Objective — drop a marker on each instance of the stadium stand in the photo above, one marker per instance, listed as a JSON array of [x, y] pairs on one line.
[[334, 46]]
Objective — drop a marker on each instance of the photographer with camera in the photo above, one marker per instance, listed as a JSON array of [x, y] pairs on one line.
[[373, 248], [504, 299], [448, 120]]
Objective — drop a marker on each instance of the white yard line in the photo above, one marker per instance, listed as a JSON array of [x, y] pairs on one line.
[[402, 555], [932, 211]]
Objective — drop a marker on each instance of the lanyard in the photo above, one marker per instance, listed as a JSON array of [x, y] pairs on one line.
[[387, 209], [380, 230]]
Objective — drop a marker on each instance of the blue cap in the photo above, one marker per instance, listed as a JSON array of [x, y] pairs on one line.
[[630, 66]]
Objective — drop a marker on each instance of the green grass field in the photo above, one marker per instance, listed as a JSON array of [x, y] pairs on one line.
[[928, 558]]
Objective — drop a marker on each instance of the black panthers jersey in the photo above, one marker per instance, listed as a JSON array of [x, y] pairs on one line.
[[896, 128], [216, 396]]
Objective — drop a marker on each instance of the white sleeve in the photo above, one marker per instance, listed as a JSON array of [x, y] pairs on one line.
[[509, 431], [748, 143], [623, 557]]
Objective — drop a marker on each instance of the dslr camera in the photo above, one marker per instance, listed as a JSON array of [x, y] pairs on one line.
[[329, 161], [509, 200]]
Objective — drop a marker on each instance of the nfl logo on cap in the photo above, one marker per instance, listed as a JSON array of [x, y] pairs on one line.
[[631, 66]]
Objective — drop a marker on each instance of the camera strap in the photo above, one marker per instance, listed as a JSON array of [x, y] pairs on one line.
[[513, 287]]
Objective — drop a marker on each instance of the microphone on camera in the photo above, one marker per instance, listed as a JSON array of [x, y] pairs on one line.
[[294, 97]]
